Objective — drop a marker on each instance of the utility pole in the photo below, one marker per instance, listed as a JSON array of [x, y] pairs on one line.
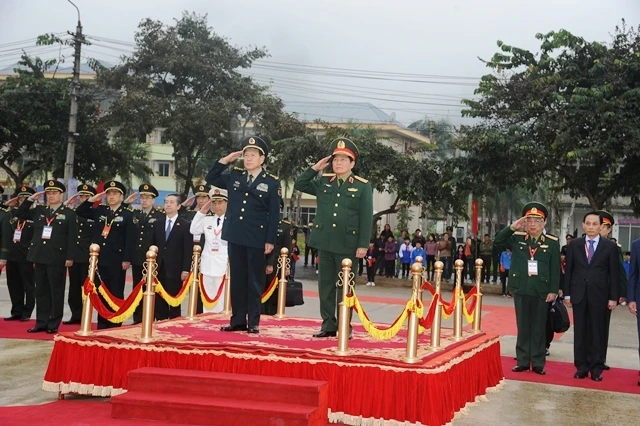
[[73, 114]]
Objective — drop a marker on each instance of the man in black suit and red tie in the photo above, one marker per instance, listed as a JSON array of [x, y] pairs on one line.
[[592, 289], [175, 246]]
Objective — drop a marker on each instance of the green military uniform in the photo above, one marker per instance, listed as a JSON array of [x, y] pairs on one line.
[[607, 219], [531, 289], [342, 225], [283, 239], [54, 239]]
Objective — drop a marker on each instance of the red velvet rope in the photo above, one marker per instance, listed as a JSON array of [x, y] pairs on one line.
[[182, 290], [428, 320], [218, 294], [367, 317], [106, 313], [274, 281]]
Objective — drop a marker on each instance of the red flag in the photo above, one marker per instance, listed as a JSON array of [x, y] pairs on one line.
[[99, 189]]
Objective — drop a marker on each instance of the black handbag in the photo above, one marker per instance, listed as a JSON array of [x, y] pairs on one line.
[[559, 316]]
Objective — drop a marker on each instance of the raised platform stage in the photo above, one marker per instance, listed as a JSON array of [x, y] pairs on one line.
[[372, 383]]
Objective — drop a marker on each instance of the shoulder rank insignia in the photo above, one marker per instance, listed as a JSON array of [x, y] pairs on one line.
[[520, 233], [328, 174], [240, 169], [361, 179], [619, 245], [273, 176], [551, 237]]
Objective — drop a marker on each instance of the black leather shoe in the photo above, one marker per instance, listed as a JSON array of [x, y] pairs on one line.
[[596, 377], [253, 330], [606, 367], [52, 331], [326, 334], [519, 369], [36, 330], [12, 318], [539, 370], [580, 375], [234, 328], [24, 319], [71, 322]]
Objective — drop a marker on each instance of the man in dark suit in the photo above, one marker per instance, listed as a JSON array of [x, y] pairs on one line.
[[175, 245], [51, 250], [592, 288], [633, 284], [114, 232], [250, 227]]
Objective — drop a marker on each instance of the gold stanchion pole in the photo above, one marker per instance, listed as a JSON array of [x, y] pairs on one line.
[[343, 310], [283, 264], [437, 319], [87, 309], [226, 310], [411, 355], [149, 298], [192, 309], [477, 314], [457, 319]]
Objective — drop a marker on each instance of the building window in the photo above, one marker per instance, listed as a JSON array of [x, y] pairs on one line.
[[307, 214], [163, 169]]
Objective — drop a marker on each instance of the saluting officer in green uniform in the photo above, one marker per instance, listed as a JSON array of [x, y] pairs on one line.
[[342, 226], [607, 223], [534, 277]]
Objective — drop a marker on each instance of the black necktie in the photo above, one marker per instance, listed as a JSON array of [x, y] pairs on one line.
[[340, 182], [250, 180], [218, 222]]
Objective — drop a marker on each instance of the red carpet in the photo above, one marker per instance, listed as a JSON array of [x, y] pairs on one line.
[[98, 365], [18, 330], [561, 373]]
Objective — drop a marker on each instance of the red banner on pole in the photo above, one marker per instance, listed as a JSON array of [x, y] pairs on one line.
[[474, 217]]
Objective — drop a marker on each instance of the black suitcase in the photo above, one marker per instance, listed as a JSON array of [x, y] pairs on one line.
[[294, 294]]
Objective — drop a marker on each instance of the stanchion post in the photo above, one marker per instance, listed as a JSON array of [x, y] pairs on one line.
[[283, 264], [226, 310], [411, 355], [149, 298], [87, 309], [459, 298], [192, 309], [343, 310], [477, 314], [434, 344]]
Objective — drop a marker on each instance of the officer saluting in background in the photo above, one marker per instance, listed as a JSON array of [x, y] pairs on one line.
[[51, 250], [17, 235], [250, 227], [143, 219], [80, 269], [115, 233], [342, 226]]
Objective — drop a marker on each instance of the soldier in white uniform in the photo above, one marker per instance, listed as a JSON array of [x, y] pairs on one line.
[[213, 263]]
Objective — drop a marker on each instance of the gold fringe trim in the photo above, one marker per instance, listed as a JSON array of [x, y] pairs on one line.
[[113, 305], [174, 301], [272, 287], [272, 357]]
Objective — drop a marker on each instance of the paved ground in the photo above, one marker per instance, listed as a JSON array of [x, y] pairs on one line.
[[23, 362]]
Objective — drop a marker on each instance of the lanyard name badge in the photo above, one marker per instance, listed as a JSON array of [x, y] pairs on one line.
[[215, 243], [17, 234], [48, 229], [107, 228], [532, 265]]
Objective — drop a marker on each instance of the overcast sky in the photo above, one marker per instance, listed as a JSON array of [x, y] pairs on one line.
[[426, 37]]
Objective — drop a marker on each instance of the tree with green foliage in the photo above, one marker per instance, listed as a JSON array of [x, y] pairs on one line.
[[187, 80], [569, 112], [34, 118]]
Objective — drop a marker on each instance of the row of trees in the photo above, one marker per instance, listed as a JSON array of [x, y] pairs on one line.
[[566, 118]]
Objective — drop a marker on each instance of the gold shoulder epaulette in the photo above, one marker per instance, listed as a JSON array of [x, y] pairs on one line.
[[619, 245], [240, 169], [361, 179], [551, 237], [273, 176], [131, 209], [520, 233], [328, 174]]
